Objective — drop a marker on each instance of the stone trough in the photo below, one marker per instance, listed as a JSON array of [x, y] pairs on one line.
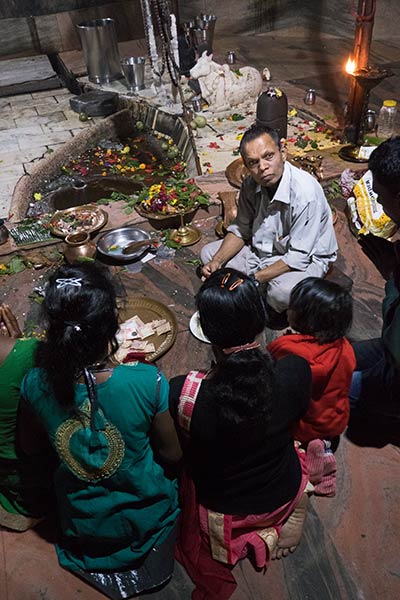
[[115, 127]]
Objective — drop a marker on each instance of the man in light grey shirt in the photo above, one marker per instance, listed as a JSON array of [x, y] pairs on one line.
[[283, 231]]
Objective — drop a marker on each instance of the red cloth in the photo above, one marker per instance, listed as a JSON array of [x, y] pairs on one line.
[[332, 366], [214, 580]]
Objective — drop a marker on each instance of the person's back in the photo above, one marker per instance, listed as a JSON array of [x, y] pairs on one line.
[[108, 485], [321, 312], [243, 477], [114, 501], [250, 466]]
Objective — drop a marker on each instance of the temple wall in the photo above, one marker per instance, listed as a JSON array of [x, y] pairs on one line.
[[258, 16], [241, 16]]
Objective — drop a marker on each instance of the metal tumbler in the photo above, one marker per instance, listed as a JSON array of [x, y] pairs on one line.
[[310, 97]]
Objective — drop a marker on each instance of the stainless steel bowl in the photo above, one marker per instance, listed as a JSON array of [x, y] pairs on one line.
[[113, 242]]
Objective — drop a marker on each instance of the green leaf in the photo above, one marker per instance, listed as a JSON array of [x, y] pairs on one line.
[[128, 210], [85, 259], [237, 117]]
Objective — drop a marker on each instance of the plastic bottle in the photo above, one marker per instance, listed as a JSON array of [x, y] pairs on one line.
[[386, 118], [272, 108]]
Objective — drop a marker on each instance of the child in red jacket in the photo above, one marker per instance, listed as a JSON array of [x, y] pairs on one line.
[[321, 311]]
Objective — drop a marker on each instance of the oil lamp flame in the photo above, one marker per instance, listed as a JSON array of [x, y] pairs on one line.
[[350, 66]]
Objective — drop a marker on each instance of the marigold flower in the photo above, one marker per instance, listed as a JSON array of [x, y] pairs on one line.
[[37, 196], [125, 150], [142, 166]]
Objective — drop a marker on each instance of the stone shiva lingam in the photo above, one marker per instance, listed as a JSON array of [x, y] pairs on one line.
[[222, 88]]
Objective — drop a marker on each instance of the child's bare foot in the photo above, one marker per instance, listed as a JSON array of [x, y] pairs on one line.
[[291, 531]]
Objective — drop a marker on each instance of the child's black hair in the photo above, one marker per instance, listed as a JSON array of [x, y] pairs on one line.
[[321, 308]]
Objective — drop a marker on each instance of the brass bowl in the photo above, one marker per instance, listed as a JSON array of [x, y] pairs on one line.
[[168, 221]]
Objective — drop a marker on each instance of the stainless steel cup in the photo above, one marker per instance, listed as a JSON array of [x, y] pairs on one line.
[[197, 105], [370, 120], [310, 97], [133, 68], [100, 49]]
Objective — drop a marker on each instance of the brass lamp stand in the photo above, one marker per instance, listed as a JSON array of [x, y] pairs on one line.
[[185, 235]]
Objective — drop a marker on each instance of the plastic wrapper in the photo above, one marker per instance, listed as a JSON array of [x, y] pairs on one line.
[[366, 214]]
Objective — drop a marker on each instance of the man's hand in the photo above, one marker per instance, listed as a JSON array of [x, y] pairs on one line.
[[381, 252], [231, 245], [8, 322], [210, 268]]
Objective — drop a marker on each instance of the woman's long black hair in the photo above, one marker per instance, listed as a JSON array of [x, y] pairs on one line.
[[232, 313], [80, 310]]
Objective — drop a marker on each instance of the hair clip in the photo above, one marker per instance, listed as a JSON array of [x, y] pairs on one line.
[[225, 279], [74, 281], [235, 284], [74, 325]]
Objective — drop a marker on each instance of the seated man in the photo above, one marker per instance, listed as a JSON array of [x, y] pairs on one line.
[[375, 385], [283, 231]]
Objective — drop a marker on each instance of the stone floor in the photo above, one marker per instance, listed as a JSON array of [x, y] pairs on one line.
[[350, 549]]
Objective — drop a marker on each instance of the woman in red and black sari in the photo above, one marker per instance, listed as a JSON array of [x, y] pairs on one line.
[[244, 484]]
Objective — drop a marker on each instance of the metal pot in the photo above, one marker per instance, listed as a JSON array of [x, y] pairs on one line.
[[78, 246]]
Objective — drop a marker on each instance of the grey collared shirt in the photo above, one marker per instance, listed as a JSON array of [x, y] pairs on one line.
[[295, 225]]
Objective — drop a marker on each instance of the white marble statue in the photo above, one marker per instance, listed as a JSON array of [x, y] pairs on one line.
[[222, 88]]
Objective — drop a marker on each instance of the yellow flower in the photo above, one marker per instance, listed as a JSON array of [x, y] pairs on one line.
[[170, 142], [3, 267], [119, 167], [239, 136], [101, 162], [142, 166], [108, 152], [293, 112], [37, 196], [104, 173], [125, 150], [132, 169]]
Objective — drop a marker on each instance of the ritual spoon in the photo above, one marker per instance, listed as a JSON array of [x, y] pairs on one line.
[[133, 246]]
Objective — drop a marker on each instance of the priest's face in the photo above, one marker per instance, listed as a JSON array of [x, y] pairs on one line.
[[265, 160]]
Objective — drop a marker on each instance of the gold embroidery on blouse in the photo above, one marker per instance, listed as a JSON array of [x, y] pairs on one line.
[[116, 447]]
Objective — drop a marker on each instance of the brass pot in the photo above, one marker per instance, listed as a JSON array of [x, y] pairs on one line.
[[78, 246]]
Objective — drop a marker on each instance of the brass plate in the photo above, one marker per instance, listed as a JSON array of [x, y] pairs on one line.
[[149, 310], [235, 172], [96, 219]]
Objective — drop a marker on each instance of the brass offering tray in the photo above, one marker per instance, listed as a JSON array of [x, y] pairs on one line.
[[149, 310], [76, 219]]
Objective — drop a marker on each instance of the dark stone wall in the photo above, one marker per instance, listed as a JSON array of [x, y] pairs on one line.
[[10, 9], [258, 16]]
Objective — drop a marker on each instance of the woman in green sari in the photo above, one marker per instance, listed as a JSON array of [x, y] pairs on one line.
[[23, 500], [107, 423]]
